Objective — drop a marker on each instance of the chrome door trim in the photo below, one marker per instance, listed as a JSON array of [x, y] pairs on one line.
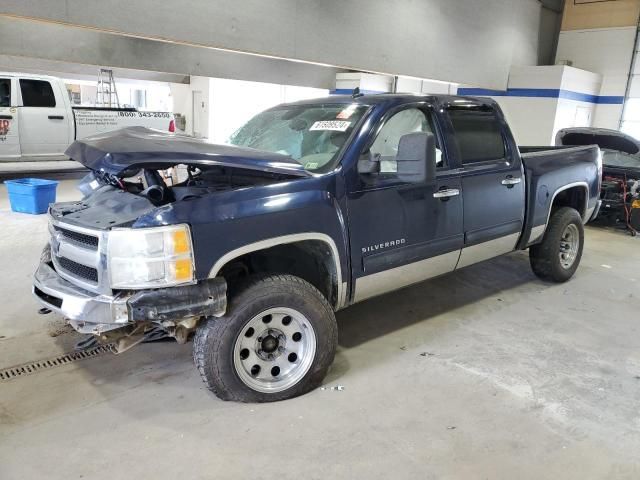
[[511, 181], [296, 237], [396, 278], [449, 192], [486, 250]]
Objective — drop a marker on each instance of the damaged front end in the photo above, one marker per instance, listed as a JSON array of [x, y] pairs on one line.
[[115, 267], [124, 317]]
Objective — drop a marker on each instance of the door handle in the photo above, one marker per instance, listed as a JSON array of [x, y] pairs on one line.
[[6, 117], [511, 181], [446, 193], [56, 117]]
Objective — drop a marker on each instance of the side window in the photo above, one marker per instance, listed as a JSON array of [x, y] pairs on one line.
[[478, 134], [37, 93], [5, 92], [385, 146]]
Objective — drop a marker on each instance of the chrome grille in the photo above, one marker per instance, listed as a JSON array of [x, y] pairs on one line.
[[79, 255], [81, 238], [77, 269]]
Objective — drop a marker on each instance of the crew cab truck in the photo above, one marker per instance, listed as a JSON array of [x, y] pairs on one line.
[[37, 121], [310, 208]]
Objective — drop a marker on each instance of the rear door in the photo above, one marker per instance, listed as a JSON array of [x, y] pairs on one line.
[[402, 233], [492, 182], [9, 130], [44, 120]]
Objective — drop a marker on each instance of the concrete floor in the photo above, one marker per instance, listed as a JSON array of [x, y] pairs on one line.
[[487, 373]]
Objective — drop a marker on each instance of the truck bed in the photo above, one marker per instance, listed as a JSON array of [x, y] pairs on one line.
[[549, 170]]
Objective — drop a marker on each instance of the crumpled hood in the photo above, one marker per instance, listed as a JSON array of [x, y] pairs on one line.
[[123, 152], [603, 137]]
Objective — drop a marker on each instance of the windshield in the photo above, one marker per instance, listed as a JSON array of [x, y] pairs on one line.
[[310, 134], [620, 159]]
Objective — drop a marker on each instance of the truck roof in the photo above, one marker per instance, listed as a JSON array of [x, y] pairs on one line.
[[28, 75], [397, 98]]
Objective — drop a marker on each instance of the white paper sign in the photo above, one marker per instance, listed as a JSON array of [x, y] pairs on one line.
[[332, 125]]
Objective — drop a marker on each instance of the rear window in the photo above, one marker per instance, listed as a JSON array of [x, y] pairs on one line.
[[5, 92], [37, 93], [477, 134]]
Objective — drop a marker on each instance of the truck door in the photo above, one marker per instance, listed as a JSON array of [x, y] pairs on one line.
[[492, 182], [44, 122], [403, 233], [9, 138]]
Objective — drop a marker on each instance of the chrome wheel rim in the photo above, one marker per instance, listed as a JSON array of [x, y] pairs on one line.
[[274, 350], [569, 245]]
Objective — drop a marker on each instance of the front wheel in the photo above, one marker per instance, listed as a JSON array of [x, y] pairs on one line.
[[277, 341], [557, 257]]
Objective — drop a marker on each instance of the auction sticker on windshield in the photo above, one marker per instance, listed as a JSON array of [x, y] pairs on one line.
[[332, 125]]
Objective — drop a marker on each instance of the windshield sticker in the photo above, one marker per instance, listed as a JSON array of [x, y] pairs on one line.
[[311, 165], [347, 112], [332, 125]]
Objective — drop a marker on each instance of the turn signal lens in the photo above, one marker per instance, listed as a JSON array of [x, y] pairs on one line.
[[181, 243], [635, 204], [183, 270]]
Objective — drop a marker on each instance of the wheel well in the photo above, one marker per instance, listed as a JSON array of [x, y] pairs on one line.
[[574, 197], [311, 260]]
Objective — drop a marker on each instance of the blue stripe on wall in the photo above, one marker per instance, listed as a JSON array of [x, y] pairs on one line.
[[543, 93]]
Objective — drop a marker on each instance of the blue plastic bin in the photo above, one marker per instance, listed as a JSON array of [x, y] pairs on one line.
[[31, 195]]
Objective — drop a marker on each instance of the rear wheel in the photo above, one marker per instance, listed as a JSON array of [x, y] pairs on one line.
[[557, 257], [277, 341]]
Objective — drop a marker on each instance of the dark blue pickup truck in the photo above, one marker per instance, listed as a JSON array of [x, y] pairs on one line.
[[310, 207]]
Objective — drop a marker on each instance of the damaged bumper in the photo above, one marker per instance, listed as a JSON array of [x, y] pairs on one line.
[[97, 313]]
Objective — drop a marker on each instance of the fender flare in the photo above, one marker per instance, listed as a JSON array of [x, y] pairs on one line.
[[282, 240]]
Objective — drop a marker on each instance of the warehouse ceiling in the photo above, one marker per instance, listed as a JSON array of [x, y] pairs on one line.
[[426, 39]]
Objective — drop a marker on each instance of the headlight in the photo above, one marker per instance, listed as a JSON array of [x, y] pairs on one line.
[[150, 257]]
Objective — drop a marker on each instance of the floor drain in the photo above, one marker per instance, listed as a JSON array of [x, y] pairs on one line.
[[35, 367]]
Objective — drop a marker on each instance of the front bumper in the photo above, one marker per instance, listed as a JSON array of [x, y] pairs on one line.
[[87, 312], [97, 313]]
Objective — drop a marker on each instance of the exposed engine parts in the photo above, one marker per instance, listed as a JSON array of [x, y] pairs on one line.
[[620, 197]]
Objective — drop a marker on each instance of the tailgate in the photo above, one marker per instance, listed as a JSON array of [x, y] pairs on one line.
[[89, 121]]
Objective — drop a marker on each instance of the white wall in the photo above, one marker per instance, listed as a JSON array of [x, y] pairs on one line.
[[604, 51], [229, 104], [414, 85], [368, 82], [535, 120], [234, 102], [181, 95]]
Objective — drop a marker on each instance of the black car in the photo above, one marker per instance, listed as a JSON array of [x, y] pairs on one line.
[[620, 193]]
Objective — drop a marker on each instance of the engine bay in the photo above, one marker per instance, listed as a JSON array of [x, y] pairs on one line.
[[620, 197], [182, 182]]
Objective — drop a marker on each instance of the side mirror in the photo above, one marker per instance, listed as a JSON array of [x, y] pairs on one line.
[[369, 164], [416, 157]]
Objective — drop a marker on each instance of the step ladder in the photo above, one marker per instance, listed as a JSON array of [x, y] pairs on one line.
[[107, 94]]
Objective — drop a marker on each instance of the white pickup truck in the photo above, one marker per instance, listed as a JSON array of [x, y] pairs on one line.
[[37, 121]]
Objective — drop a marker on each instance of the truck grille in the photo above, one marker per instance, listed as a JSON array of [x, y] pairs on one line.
[[77, 255], [81, 238], [79, 270]]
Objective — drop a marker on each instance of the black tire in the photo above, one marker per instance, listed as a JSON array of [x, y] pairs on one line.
[[545, 256], [215, 338]]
